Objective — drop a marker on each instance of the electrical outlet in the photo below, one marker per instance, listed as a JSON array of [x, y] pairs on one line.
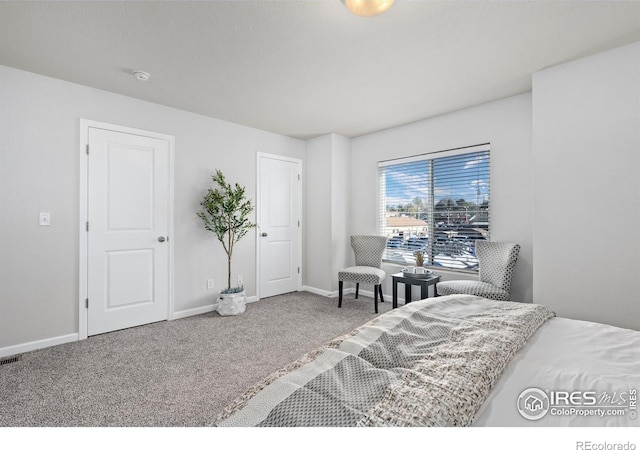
[[239, 280], [210, 284]]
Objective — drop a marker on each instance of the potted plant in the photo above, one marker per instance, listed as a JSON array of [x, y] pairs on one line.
[[225, 212], [419, 259]]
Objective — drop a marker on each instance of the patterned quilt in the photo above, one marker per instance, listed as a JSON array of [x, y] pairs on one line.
[[429, 363]]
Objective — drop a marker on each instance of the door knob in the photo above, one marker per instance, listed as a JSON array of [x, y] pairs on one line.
[[161, 239], [264, 235]]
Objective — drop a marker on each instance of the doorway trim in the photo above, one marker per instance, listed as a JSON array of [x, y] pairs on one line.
[[83, 259], [260, 155]]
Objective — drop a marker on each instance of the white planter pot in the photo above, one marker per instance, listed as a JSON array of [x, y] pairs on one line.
[[231, 304]]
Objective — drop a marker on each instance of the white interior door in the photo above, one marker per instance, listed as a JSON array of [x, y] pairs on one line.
[[128, 254], [279, 216]]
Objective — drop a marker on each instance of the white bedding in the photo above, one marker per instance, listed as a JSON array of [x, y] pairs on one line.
[[569, 355], [436, 362], [429, 363]]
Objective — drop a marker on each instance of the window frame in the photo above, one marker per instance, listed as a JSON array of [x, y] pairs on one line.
[[483, 150]]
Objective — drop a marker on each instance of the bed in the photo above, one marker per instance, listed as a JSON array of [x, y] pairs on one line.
[[457, 360]]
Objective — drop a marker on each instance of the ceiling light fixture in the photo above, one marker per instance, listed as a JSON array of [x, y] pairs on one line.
[[141, 76], [368, 8]]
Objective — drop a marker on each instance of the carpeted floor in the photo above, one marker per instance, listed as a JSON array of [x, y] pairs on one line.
[[178, 373]]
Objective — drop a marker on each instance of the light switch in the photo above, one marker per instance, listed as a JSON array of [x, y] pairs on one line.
[[45, 219]]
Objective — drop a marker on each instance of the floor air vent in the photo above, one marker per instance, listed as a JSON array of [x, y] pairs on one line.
[[10, 359]]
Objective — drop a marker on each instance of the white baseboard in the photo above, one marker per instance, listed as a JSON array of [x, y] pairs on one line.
[[347, 291], [37, 345], [205, 309], [193, 311], [316, 291], [364, 292], [330, 294]]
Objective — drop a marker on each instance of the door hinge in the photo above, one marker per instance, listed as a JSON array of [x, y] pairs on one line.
[[87, 149], [298, 177], [298, 269], [86, 303], [87, 226], [298, 224]]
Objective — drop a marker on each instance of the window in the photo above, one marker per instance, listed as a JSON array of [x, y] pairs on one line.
[[438, 204]]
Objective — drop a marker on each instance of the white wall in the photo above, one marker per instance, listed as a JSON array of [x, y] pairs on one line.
[[586, 143], [317, 224], [39, 171], [506, 125], [341, 253], [327, 200]]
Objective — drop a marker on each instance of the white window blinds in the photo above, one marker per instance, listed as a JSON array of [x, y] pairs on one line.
[[437, 204]]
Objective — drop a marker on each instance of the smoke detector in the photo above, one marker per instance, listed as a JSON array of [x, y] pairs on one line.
[[141, 75]]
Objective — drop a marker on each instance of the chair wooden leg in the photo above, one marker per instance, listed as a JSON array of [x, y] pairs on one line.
[[357, 289], [340, 294], [381, 296], [375, 297]]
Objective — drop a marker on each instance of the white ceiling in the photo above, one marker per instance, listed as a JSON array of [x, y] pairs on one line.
[[307, 68]]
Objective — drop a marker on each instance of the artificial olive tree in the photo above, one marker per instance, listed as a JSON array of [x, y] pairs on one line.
[[225, 212]]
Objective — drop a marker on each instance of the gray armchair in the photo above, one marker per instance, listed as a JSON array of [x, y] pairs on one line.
[[368, 252], [497, 261]]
